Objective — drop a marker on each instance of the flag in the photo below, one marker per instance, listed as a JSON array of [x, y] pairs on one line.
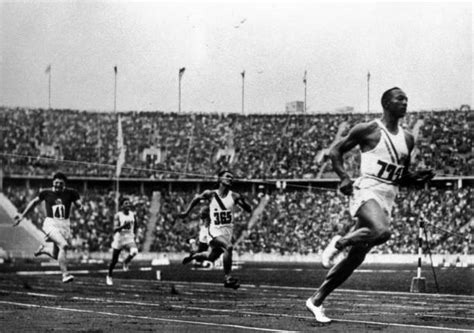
[[243, 74], [304, 77], [115, 69], [181, 72], [121, 148], [48, 69]]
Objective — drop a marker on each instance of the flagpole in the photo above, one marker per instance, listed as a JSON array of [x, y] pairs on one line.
[[117, 183], [49, 88], [368, 92], [243, 91], [305, 84], [179, 95], [180, 76]]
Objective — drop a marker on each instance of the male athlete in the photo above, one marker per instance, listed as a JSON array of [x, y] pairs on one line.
[[125, 228], [221, 209], [56, 226], [385, 157]]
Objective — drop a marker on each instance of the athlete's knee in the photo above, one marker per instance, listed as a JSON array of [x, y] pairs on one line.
[[133, 251], [63, 246]]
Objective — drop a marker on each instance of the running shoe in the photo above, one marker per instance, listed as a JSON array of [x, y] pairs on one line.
[[317, 311]]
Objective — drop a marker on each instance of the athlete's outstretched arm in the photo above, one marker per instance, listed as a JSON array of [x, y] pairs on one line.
[[31, 205], [240, 200], [204, 195], [354, 138]]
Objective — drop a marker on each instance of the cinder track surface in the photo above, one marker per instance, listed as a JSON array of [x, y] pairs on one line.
[[271, 298]]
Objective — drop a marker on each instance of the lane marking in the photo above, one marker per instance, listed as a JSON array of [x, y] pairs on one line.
[[266, 314], [113, 314], [375, 292]]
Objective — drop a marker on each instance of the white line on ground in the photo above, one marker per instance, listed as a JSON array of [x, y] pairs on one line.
[[374, 292], [266, 314], [113, 314]]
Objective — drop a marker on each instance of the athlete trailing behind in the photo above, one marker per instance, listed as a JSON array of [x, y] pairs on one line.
[[221, 210], [56, 226], [385, 158], [125, 228]]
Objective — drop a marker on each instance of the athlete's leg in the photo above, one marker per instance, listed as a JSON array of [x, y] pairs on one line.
[[48, 250], [113, 262], [372, 229], [374, 225], [60, 250], [132, 252], [340, 272]]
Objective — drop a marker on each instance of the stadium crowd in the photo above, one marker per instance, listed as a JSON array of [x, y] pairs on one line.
[[195, 145], [304, 221], [293, 221], [169, 145]]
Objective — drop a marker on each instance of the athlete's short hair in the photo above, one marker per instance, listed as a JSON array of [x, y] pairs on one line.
[[123, 200], [386, 96], [60, 175], [223, 172]]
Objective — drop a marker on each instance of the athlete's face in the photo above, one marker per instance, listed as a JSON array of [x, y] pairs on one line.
[[58, 185], [126, 206], [227, 179], [397, 104]]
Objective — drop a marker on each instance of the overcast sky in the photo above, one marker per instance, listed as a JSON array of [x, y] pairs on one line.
[[424, 48]]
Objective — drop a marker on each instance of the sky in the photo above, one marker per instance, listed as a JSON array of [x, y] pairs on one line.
[[425, 48]]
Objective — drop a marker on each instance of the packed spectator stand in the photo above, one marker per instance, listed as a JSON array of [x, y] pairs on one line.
[[265, 147]]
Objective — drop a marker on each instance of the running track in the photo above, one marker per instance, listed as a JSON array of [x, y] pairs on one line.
[[38, 303]]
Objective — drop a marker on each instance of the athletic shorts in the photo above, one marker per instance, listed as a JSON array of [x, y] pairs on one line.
[[366, 189], [123, 241], [58, 230], [204, 235], [225, 231]]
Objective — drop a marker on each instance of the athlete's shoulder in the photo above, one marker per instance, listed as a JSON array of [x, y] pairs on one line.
[[207, 193], [70, 190], [364, 129], [44, 192]]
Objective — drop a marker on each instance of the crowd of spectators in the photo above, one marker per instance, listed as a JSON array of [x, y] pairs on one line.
[[303, 222], [38, 141], [292, 222]]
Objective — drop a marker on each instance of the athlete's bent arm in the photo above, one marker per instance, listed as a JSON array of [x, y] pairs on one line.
[[204, 195], [117, 226], [240, 200], [29, 207], [354, 138]]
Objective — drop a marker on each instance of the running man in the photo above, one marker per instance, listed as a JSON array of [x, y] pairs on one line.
[[56, 225], [221, 209], [125, 229], [385, 158]]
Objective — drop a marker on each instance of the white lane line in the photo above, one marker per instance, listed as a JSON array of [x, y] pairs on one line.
[[338, 291], [435, 315], [265, 314], [364, 292], [113, 314], [80, 271]]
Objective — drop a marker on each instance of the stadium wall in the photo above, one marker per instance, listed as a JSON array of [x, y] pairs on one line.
[[449, 260]]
